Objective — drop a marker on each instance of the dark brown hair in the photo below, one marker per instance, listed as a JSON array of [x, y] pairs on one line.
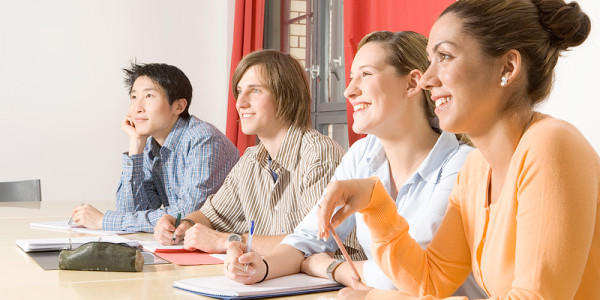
[[285, 78], [538, 29]]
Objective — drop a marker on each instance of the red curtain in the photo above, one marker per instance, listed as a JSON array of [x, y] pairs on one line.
[[364, 16], [247, 37]]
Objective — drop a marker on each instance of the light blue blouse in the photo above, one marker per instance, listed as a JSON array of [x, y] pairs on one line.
[[422, 200]]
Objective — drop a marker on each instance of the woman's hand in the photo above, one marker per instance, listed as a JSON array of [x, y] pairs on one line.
[[352, 195], [235, 261], [356, 292]]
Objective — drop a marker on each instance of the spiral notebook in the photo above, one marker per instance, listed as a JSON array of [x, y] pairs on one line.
[[225, 288], [57, 244]]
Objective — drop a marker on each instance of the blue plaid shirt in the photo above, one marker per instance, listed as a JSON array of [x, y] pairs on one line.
[[175, 178]]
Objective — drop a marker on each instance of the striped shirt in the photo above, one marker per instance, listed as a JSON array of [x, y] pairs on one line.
[[305, 162], [175, 178]]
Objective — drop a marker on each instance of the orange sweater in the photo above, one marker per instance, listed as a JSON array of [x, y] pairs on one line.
[[540, 240]]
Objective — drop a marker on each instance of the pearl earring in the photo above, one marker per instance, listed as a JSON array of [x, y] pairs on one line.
[[504, 81]]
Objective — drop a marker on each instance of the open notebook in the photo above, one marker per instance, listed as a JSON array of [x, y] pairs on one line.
[[225, 288], [33, 245], [63, 225]]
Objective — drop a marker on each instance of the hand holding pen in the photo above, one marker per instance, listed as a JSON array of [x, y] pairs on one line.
[[87, 216], [348, 197], [70, 223], [166, 230], [241, 264]]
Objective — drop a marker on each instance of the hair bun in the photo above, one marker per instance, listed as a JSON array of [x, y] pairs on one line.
[[567, 23]]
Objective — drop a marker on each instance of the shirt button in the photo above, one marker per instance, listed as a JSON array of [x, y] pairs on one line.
[[129, 163]]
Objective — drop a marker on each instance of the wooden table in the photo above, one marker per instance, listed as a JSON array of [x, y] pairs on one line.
[[22, 278]]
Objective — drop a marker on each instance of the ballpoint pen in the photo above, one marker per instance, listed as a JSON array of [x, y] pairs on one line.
[[338, 241], [177, 222], [249, 244]]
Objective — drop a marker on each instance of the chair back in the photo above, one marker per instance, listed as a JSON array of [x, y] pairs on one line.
[[26, 190]]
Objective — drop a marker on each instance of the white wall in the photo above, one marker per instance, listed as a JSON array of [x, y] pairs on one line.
[[575, 96], [62, 96], [61, 87]]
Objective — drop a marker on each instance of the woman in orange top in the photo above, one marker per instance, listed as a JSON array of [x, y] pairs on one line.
[[524, 214]]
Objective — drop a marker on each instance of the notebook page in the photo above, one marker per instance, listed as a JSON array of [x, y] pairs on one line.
[[152, 246], [63, 225]]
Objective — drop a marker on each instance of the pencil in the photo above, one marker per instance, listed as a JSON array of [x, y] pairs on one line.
[[344, 252]]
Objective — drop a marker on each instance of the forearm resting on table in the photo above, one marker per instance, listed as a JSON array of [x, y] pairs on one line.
[[343, 273], [262, 244], [283, 260]]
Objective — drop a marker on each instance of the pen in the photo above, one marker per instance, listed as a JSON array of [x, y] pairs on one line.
[[249, 244], [344, 252], [176, 225]]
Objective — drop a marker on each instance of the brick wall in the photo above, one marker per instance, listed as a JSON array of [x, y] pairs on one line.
[[298, 31]]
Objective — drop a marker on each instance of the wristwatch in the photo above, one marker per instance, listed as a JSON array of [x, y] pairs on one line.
[[332, 266], [234, 237]]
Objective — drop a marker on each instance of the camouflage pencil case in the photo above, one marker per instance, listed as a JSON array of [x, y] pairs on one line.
[[102, 256]]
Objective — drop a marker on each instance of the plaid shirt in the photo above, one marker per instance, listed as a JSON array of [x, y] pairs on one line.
[[175, 178]]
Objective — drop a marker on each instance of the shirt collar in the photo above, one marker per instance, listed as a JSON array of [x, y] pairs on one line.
[[172, 141], [432, 165], [288, 153], [154, 148], [430, 168], [376, 156]]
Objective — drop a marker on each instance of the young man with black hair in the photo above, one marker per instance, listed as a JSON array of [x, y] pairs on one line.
[[175, 161]]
